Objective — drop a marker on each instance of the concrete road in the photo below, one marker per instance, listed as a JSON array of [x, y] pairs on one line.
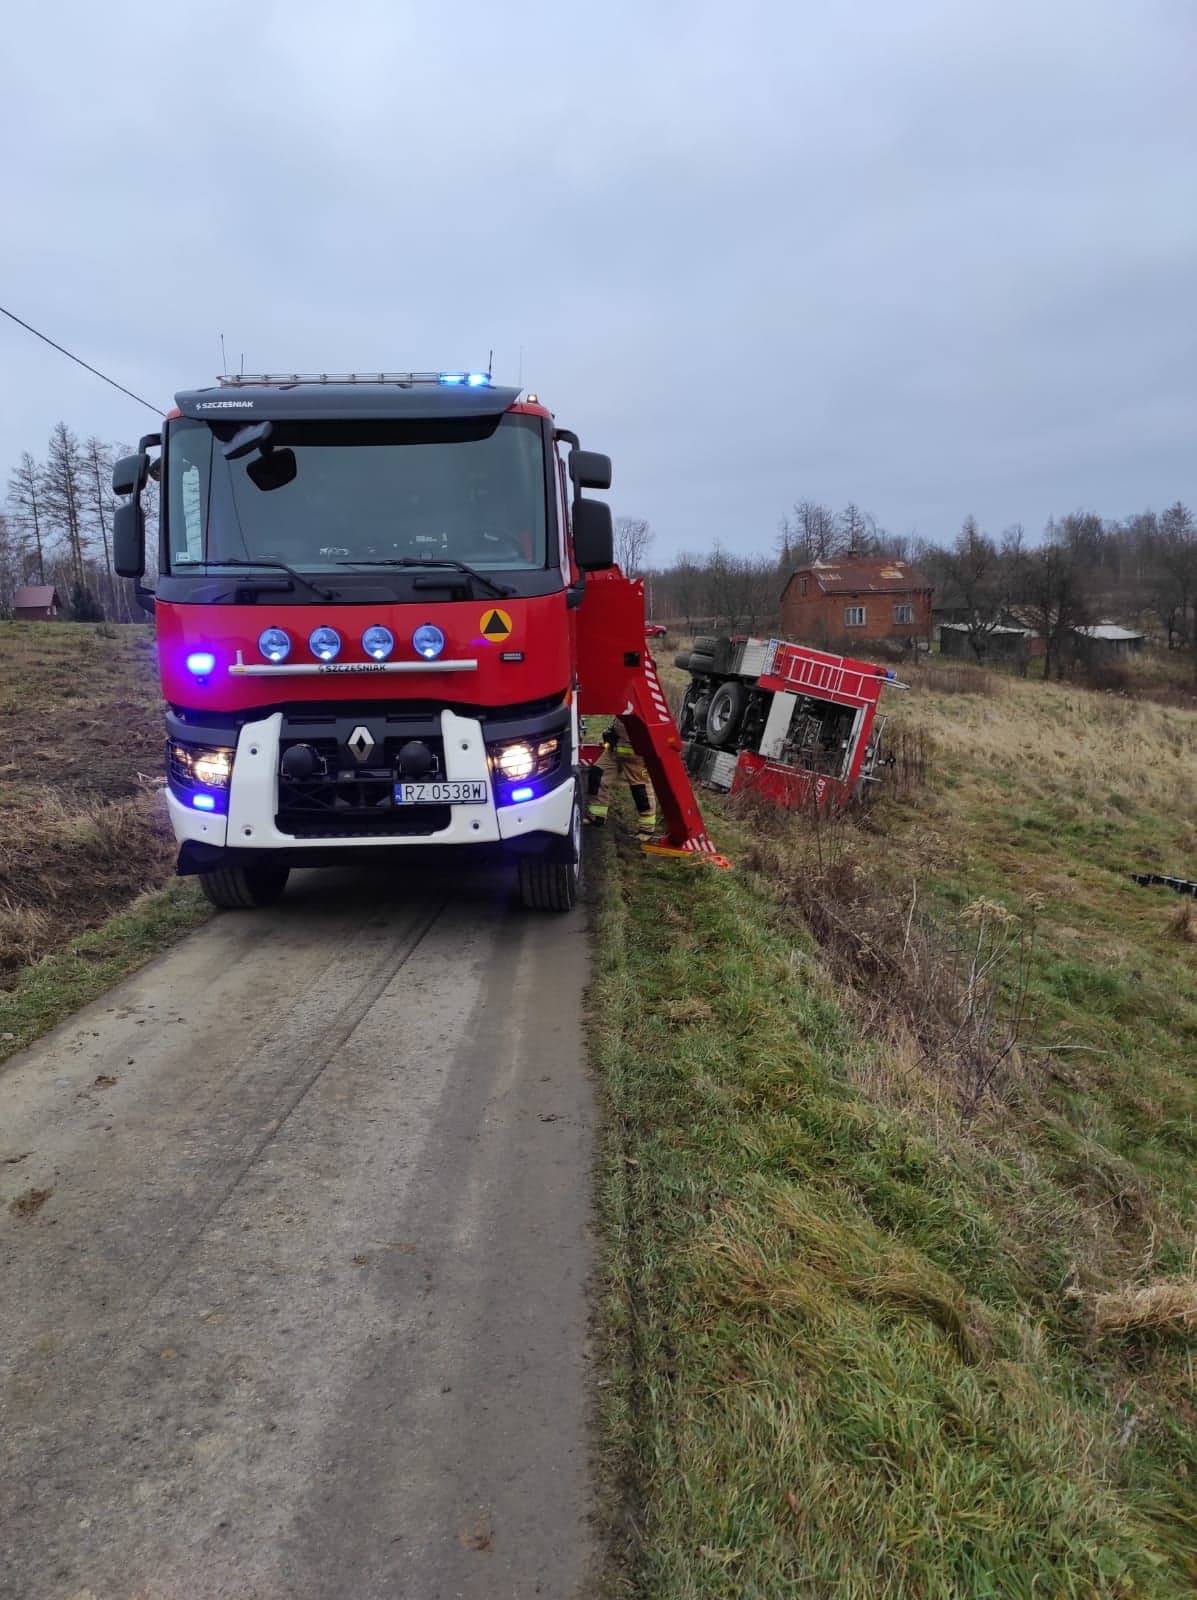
[[304, 1311]]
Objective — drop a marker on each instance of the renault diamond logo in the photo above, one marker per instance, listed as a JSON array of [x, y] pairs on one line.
[[360, 743]]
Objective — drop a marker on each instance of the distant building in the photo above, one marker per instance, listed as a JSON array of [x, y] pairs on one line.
[[857, 599], [1105, 641], [1003, 643], [36, 602]]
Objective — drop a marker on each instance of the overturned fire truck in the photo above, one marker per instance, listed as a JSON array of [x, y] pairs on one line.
[[796, 725]]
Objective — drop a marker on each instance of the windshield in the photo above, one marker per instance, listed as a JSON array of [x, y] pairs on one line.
[[325, 494]]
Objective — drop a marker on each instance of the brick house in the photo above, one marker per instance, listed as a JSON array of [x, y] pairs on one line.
[[857, 599]]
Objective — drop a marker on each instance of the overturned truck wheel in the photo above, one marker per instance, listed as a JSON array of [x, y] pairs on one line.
[[725, 714]]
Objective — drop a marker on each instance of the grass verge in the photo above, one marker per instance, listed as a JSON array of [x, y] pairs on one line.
[[50, 990], [864, 1339]]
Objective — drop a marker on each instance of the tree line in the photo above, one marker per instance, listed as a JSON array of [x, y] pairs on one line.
[[1140, 570], [56, 528]]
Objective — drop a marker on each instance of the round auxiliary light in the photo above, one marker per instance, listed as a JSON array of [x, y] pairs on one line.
[[200, 663], [378, 642], [428, 641], [324, 643], [274, 643]]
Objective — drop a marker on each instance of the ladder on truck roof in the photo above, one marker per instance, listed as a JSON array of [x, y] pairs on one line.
[[617, 676]]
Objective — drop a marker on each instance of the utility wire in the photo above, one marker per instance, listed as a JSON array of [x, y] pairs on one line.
[[47, 340]]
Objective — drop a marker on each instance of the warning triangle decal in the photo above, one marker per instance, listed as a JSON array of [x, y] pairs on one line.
[[496, 624]]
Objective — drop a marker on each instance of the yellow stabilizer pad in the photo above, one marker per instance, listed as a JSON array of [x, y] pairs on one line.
[[696, 857]]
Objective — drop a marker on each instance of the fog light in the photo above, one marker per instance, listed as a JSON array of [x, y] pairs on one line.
[[378, 642], [324, 643], [428, 641], [522, 794], [274, 643], [203, 802], [200, 663]]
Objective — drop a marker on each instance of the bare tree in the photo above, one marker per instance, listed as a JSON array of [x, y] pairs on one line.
[[25, 501], [63, 491], [977, 577], [98, 458], [632, 539]]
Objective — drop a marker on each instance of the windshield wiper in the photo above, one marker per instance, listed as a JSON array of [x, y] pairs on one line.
[[502, 590], [281, 566]]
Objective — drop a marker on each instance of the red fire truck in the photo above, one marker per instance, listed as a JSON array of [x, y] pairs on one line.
[[793, 724], [383, 605]]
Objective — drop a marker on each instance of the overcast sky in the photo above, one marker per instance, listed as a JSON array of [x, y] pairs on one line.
[[933, 257]]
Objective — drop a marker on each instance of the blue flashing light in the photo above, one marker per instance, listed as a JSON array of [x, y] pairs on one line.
[[378, 642], [452, 377], [204, 802], [522, 794], [275, 644], [200, 663], [478, 380], [324, 643], [428, 641]]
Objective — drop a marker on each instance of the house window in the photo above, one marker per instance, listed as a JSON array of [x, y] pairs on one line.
[[903, 613], [854, 616], [802, 583]]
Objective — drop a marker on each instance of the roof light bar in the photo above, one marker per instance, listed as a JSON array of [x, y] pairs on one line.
[[404, 380]]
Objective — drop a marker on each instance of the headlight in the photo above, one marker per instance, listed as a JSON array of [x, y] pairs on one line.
[[378, 642], [516, 760], [523, 758], [324, 643], [274, 643], [192, 764]]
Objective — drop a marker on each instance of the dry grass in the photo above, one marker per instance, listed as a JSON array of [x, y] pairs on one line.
[[1167, 1307]]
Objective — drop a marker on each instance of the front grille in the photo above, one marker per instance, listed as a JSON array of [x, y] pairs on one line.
[[345, 800]]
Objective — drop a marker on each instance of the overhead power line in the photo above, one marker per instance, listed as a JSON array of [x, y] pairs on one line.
[[45, 338]]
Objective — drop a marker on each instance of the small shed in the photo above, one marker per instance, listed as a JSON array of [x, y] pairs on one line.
[[1003, 643], [36, 602], [1106, 641]]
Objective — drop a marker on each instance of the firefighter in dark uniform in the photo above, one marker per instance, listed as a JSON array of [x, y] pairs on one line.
[[619, 760]]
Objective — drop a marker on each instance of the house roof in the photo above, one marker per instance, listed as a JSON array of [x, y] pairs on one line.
[[962, 627], [1109, 630], [36, 596], [853, 575]]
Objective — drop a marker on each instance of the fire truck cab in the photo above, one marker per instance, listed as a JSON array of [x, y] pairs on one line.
[[369, 593]]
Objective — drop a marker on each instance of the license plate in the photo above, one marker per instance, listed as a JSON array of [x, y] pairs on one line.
[[449, 792]]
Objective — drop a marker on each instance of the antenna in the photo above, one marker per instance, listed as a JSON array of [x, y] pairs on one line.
[[224, 364], [490, 363]]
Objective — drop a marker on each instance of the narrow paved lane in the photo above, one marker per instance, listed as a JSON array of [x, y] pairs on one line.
[[304, 1313]]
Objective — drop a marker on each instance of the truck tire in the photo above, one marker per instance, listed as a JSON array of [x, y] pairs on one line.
[[682, 660], [553, 885], [725, 713], [237, 888], [704, 644], [700, 662]]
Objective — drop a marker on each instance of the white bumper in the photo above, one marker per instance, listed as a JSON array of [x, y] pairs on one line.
[[253, 800]]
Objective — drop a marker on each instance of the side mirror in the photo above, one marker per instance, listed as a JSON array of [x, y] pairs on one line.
[[594, 535], [129, 474], [128, 538], [589, 469]]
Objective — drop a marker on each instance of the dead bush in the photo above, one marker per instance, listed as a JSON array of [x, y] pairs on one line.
[[1183, 922]]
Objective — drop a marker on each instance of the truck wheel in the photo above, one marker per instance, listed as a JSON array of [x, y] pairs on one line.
[[703, 644], [699, 664], [236, 888], [553, 885], [725, 713], [682, 659]]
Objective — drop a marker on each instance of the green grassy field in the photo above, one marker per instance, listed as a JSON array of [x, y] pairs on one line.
[[873, 1331]]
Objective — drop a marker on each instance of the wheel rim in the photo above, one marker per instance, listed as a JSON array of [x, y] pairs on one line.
[[720, 714]]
